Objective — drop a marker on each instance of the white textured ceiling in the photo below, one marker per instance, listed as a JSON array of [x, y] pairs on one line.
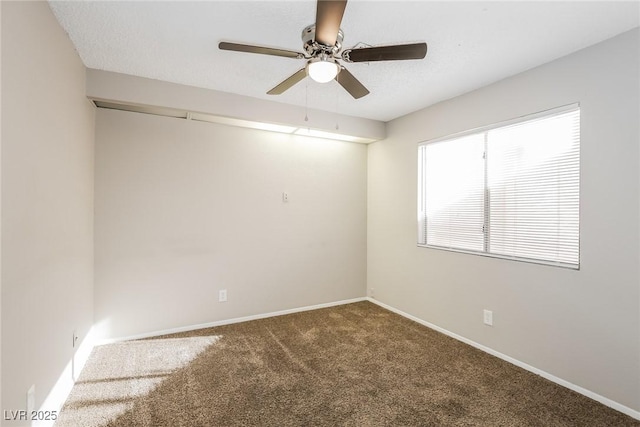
[[471, 44]]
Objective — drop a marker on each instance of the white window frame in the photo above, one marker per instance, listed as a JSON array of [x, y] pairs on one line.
[[421, 207]]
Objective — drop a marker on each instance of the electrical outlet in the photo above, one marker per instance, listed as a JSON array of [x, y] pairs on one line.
[[488, 317], [222, 295], [372, 293], [285, 197]]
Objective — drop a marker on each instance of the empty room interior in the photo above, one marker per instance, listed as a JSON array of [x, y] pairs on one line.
[[320, 213]]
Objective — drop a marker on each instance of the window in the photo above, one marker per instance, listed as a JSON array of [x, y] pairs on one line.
[[510, 190]]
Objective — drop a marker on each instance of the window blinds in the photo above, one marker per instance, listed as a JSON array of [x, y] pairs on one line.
[[509, 191], [455, 193]]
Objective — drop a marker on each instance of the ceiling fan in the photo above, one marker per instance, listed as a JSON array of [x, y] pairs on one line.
[[322, 42]]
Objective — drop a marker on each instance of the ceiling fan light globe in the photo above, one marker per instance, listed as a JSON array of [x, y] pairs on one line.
[[323, 71]]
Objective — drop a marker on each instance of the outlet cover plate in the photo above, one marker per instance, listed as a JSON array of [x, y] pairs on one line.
[[488, 317]]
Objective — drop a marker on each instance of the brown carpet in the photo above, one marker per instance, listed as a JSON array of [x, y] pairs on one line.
[[351, 365]]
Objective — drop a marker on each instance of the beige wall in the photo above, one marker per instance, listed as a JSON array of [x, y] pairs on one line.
[[47, 201], [582, 326], [185, 209]]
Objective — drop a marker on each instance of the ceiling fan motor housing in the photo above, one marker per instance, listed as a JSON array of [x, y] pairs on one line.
[[313, 48]]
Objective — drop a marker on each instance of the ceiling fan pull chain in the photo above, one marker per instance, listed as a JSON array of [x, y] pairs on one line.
[[306, 102]]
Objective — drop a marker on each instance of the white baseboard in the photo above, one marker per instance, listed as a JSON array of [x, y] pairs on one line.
[[605, 401], [60, 391], [228, 321]]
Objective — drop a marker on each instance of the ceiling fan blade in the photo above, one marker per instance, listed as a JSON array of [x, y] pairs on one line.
[[328, 18], [237, 47], [351, 84], [386, 53], [289, 82]]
